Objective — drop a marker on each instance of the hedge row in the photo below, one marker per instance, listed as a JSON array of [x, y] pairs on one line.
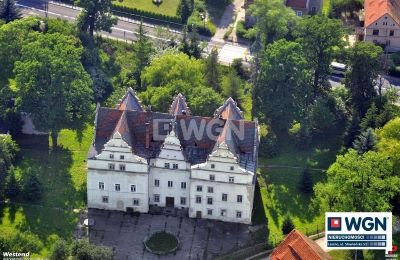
[[132, 12]]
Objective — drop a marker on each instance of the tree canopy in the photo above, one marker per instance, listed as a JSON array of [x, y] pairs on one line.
[[9, 11], [53, 85]]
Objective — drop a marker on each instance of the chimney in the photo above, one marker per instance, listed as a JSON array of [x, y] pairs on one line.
[[147, 135]]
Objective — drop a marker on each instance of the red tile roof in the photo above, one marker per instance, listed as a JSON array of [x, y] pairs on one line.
[[375, 9], [296, 3], [297, 246]]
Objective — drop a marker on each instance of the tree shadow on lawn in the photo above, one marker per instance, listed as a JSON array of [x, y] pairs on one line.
[[284, 198]]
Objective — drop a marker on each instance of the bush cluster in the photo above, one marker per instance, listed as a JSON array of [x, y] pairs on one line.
[[134, 11]]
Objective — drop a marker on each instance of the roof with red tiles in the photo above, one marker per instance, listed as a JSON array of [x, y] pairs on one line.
[[375, 9], [296, 3], [297, 246], [136, 127], [179, 106], [130, 101], [229, 110]]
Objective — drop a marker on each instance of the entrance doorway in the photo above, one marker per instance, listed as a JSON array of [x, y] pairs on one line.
[[198, 214], [129, 209], [169, 202]]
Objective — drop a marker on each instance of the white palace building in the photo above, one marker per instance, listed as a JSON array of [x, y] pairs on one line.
[[205, 165]]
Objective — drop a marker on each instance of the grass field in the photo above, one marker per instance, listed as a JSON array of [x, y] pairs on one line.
[[167, 7], [63, 175]]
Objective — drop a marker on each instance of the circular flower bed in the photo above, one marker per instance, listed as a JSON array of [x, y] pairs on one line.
[[161, 243]]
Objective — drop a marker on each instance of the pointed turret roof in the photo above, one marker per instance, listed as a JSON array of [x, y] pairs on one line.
[[229, 110], [122, 129], [130, 101], [179, 106], [227, 137]]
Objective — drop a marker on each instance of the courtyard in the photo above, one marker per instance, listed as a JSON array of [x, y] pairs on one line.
[[198, 238]]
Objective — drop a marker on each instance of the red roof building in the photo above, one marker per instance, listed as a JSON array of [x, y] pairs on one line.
[[297, 246]]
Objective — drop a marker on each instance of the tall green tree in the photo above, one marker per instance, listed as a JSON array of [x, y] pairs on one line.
[[232, 86], [282, 92], [319, 36], [274, 20], [359, 183], [96, 15], [365, 142], [53, 85], [143, 50], [364, 66], [8, 152], [212, 70], [9, 11]]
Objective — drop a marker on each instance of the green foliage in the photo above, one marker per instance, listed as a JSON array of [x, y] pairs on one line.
[[204, 101], [186, 10], [319, 36], [12, 185], [59, 250], [237, 65], [126, 11], [269, 147], [274, 20], [96, 15], [242, 31], [389, 142], [365, 142], [283, 88], [82, 250], [364, 66], [204, 27], [287, 225], [345, 6], [359, 183], [306, 183], [232, 86], [60, 26], [19, 242], [9, 11], [322, 117], [8, 152], [143, 48], [212, 74], [31, 187], [51, 68]]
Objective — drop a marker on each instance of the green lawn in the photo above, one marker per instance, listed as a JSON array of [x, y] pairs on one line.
[[63, 175], [167, 7], [281, 197]]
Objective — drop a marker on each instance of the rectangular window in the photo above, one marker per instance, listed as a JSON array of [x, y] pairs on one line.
[[156, 198], [238, 214], [170, 184], [133, 188], [210, 189], [239, 198], [224, 197], [232, 168], [122, 157], [375, 32], [391, 33], [231, 179], [122, 167], [111, 166], [212, 177], [175, 166], [156, 183], [209, 212], [166, 165], [198, 199], [199, 188], [101, 185], [183, 185], [223, 212], [105, 199], [183, 201], [212, 166], [136, 202], [117, 187], [111, 156], [299, 13], [209, 201]]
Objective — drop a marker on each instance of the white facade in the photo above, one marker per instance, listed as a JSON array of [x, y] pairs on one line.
[[384, 31], [117, 166]]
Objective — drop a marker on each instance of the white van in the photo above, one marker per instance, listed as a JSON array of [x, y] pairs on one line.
[[338, 69]]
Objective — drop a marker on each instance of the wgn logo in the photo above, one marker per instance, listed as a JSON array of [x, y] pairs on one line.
[[353, 223], [359, 230]]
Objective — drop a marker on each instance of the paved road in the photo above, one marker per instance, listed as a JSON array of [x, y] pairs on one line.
[[126, 28]]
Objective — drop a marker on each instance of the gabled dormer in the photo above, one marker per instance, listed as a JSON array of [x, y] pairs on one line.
[[179, 106], [229, 110], [130, 101]]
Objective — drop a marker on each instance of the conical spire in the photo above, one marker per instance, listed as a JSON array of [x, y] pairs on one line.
[[122, 129], [179, 106], [229, 110], [130, 101]]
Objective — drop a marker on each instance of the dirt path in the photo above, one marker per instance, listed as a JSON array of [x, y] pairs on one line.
[[228, 19]]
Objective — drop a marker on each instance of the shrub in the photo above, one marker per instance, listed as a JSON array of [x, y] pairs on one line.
[[82, 249], [242, 31], [12, 189], [32, 188], [59, 251], [269, 145], [133, 12], [287, 225], [306, 183], [17, 241], [301, 134], [206, 28]]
